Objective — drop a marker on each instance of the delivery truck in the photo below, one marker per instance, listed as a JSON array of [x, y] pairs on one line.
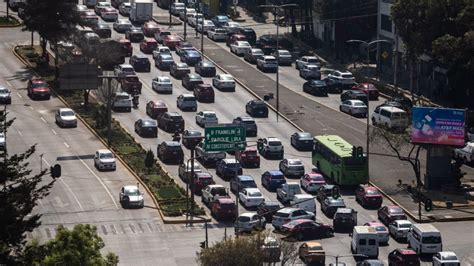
[[142, 11]]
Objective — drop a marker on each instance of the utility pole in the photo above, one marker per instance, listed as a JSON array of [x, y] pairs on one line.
[[202, 35], [185, 18]]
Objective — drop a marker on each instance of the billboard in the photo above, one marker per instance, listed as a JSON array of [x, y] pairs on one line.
[[78, 76], [441, 126]]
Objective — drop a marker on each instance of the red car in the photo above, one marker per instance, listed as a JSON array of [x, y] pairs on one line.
[[368, 88], [235, 37], [204, 93], [388, 214], [202, 180], [38, 88], [403, 257], [156, 108], [368, 196], [248, 157], [150, 28], [148, 45], [223, 209], [127, 47], [171, 41], [131, 83], [310, 182], [305, 228]]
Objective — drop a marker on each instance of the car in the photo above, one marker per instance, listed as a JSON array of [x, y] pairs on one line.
[[185, 169], [170, 152], [370, 262], [171, 40], [291, 167], [289, 214], [189, 81], [149, 28], [312, 253], [161, 35], [306, 228], [126, 47], [228, 168], [38, 88], [251, 197], [182, 47], [312, 181], [465, 154], [392, 118], [183, 15], [204, 93], [316, 87], [302, 141], [231, 26], [212, 192], [191, 138], [406, 103], [249, 34], [147, 45], [100, 6], [140, 63], [162, 84], [402, 257], [310, 72], [134, 34], [171, 122], [267, 63], [164, 61], [220, 20], [273, 179], [368, 196], [146, 128], [382, 231], [131, 84], [3, 143], [179, 70], [271, 146], [205, 69], [239, 182], [330, 205], [208, 158], [240, 47], [388, 214], [267, 209], [224, 82], [248, 123], [65, 117], [234, 37], [104, 160], [267, 43], [248, 157], [283, 57], [201, 180], [444, 258], [217, 34], [161, 50], [186, 102], [204, 118], [252, 55], [256, 108], [354, 107], [223, 208], [177, 7], [333, 85], [249, 221], [103, 30], [354, 95], [326, 191], [368, 88], [193, 18], [204, 26], [307, 60], [399, 229], [155, 108], [123, 70], [89, 18], [125, 8], [130, 196]]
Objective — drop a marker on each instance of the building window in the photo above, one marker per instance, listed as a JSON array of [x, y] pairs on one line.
[[385, 23]]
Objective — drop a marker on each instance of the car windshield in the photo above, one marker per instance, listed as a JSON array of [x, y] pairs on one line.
[[67, 113], [227, 78], [347, 76], [132, 192], [176, 118], [284, 53], [219, 191], [373, 192], [232, 165], [249, 183], [228, 206], [270, 60], [395, 211], [106, 155], [313, 61], [164, 80], [359, 104], [210, 115], [174, 148], [295, 162], [149, 123], [255, 194], [220, 31], [278, 177], [39, 85], [132, 79], [3, 90], [317, 178], [404, 225], [189, 99], [315, 248], [282, 215], [243, 219], [431, 240], [274, 143], [381, 229]]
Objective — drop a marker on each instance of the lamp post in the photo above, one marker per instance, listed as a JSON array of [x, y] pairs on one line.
[[368, 44], [275, 8], [195, 140]]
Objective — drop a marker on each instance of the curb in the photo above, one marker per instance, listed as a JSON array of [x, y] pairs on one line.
[[165, 219], [17, 24], [174, 22]]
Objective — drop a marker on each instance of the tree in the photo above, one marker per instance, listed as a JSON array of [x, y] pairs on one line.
[[20, 190], [79, 246], [149, 160]]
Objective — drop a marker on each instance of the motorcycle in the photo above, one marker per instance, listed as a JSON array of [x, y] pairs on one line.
[[176, 136], [135, 101]]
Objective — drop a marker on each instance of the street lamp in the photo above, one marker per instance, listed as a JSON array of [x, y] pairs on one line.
[[275, 7], [195, 140], [367, 76], [345, 255]]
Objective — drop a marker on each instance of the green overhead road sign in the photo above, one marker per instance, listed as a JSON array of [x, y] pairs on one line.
[[224, 137]]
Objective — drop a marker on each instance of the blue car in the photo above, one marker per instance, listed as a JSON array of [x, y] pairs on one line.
[[219, 20], [273, 179], [191, 57]]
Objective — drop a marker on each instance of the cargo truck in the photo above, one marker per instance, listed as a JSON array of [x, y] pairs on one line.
[[142, 11]]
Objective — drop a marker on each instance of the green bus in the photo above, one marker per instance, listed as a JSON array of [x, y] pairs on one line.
[[338, 160]]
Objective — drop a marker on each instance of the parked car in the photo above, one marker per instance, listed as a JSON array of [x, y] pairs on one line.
[[130, 196], [403, 257], [283, 57], [5, 95], [267, 209], [388, 214], [312, 253], [38, 88], [205, 69], [204, 93], [179, 70], [312, 181], [224, 82], [256, 108], [289, 214], [368, 88], [306, 228], [162, 84], [316, 87], [223, 209], [239, 182], [251, 197], [330, 204], [267, 63], [155, 108], [164, 61], [191, 138], [104, 160], [65, 117], [171, 122], [149, 28], [204, 26], [204, 118], [399, 229], [240, 47], [189, 81], [248, 222], [273, 179], [248, 157], [325, 191], [354, 95], [186, 102], [146, 127], [310, 72], [170, 152], [307, 60], [147, 45], [248, 123], [444, 258], [252, 55], [354, 107], [140, 63], [217, 34], [302, 141], [134, 34], [368, 196], [211, 192], [382, 231], [292, 167]]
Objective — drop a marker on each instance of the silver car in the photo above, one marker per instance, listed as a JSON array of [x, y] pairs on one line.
[[186, 102], [310, 72], [284, 57], [162, 84], [217, 34], [249, 221], [204, 118], [5, 95], [399, 228], [292, 167], [354, 107]]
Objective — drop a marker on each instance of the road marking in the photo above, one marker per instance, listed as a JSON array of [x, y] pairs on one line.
[[19, 133], [44, 120], [100, 181], [54, 132], [19, 95], [9, 84], [31, 107], [65, 144]]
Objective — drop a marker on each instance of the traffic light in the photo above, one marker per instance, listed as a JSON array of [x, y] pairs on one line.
[[202, 244], [55, 171], [428, 205], [354, 151], [259, 145], [360, 152]]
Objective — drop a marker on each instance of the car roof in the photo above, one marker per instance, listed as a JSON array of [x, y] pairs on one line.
[[447, 253], [252, 189], [172, 143], [355, 101], [207, 111], [245, 178], [294, 161], [288, 210], [226, 75], [271, 203], [332, 199], [248, 214], [275, 172], [268, 57], [344, 210], [392, 109], [64, 109], [174, 114], [206, 63], [104, 151], [224, 200], [229, 160], [130, 187], [273, 139], [406, 251], [403, 222], [373, 223], [313, 244], [246, 118]]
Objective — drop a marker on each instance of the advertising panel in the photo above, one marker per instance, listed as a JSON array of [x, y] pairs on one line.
[[441, 126]]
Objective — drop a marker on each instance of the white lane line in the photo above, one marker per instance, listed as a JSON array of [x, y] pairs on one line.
[[68, 188], [65, 144], [19, 95], [31, 107], [19, 133], [44, 120], [100, 181], [9, 84], [54, 132]]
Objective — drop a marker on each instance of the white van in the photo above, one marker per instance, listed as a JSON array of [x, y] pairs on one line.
[[424, 238], [390, 117], [305, 202], [365, 241]]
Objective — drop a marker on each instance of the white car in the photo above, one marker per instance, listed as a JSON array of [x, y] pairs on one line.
[[130, 196], [161, 50], [465, 154], [289, 214], [124, 70], [125, 8], [224, 82], [354, 107], [249, 221], [231, 26], [193, 17], [122, 25], [65, 117], [204, 118], [310, 72], [267, 63], [5, 95], [100, 6], [162, 84], [3, 143], [176, 8], [307, 60], [217, 34], [207, 26], [104, 160], [311, 182], [186, 11], [399, 228], [109, 14], [446, 258], [240, 47], [251, 197], [186, 102], [344, 77]]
